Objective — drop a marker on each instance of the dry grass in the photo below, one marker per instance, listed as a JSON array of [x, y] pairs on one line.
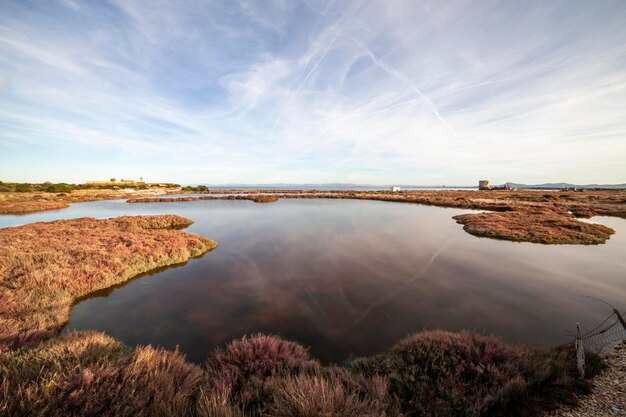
[[89, 373], [45, 267], [312, 396]]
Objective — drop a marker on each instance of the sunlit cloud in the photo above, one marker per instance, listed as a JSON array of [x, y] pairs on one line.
[[373, 92]]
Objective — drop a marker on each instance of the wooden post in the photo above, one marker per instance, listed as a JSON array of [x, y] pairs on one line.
[[580, 353]]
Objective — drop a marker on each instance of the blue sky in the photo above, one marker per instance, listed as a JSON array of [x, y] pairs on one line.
[[378, 92]]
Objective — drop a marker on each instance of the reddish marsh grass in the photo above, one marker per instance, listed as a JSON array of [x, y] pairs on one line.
[[45, 267], [538, 226]]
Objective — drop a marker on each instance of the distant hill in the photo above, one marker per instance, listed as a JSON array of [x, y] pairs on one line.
[[563, 185]]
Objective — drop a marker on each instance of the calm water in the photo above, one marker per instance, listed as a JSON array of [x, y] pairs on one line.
[[348, 278]]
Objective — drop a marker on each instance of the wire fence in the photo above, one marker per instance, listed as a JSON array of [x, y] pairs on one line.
[[605, 336], [602, 338]]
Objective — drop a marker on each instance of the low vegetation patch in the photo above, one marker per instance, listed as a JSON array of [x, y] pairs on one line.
[[428, 374], [538, 226], [45, 267]]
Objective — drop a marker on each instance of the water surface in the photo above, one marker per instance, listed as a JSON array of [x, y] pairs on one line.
[[348, 278]]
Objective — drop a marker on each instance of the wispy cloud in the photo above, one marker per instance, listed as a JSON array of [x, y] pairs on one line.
[[313, 91]]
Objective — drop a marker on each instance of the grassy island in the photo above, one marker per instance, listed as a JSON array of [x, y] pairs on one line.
[[45, 267]]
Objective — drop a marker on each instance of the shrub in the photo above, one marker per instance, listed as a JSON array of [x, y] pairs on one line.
[[85, 374], [261, 356], [428, 374], [468, 374], [32, 377], [57, 188], [23, 188], [242, 369]]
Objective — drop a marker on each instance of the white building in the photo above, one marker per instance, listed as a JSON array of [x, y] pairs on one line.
[[395, 189]]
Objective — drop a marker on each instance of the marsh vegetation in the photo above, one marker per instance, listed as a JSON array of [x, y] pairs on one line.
[[427, 374], [45, 267], [520, 216]]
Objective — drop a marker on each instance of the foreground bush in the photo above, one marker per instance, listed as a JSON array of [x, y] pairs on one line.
[[467, 374], [428, 374], [85, 374], [240, 372]]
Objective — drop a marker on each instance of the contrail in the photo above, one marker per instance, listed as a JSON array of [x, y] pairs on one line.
[[397, 74], [402, 286], [293, 94]]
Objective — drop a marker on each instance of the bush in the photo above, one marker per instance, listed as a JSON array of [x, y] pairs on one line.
[[429, 374], [198, 188], [84, 374], [467, 374], [57, 188], [242, 369], [23, 188]]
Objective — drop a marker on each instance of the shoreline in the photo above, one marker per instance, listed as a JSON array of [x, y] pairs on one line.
[[518, 216]]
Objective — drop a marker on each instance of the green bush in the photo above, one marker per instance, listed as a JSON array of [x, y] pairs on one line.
[[198, 188], [58, 188], [23, 188]]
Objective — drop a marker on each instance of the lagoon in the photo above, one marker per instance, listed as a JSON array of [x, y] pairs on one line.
[[348, 278]]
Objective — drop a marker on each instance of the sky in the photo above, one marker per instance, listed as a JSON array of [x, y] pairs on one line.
[[285, 91]]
